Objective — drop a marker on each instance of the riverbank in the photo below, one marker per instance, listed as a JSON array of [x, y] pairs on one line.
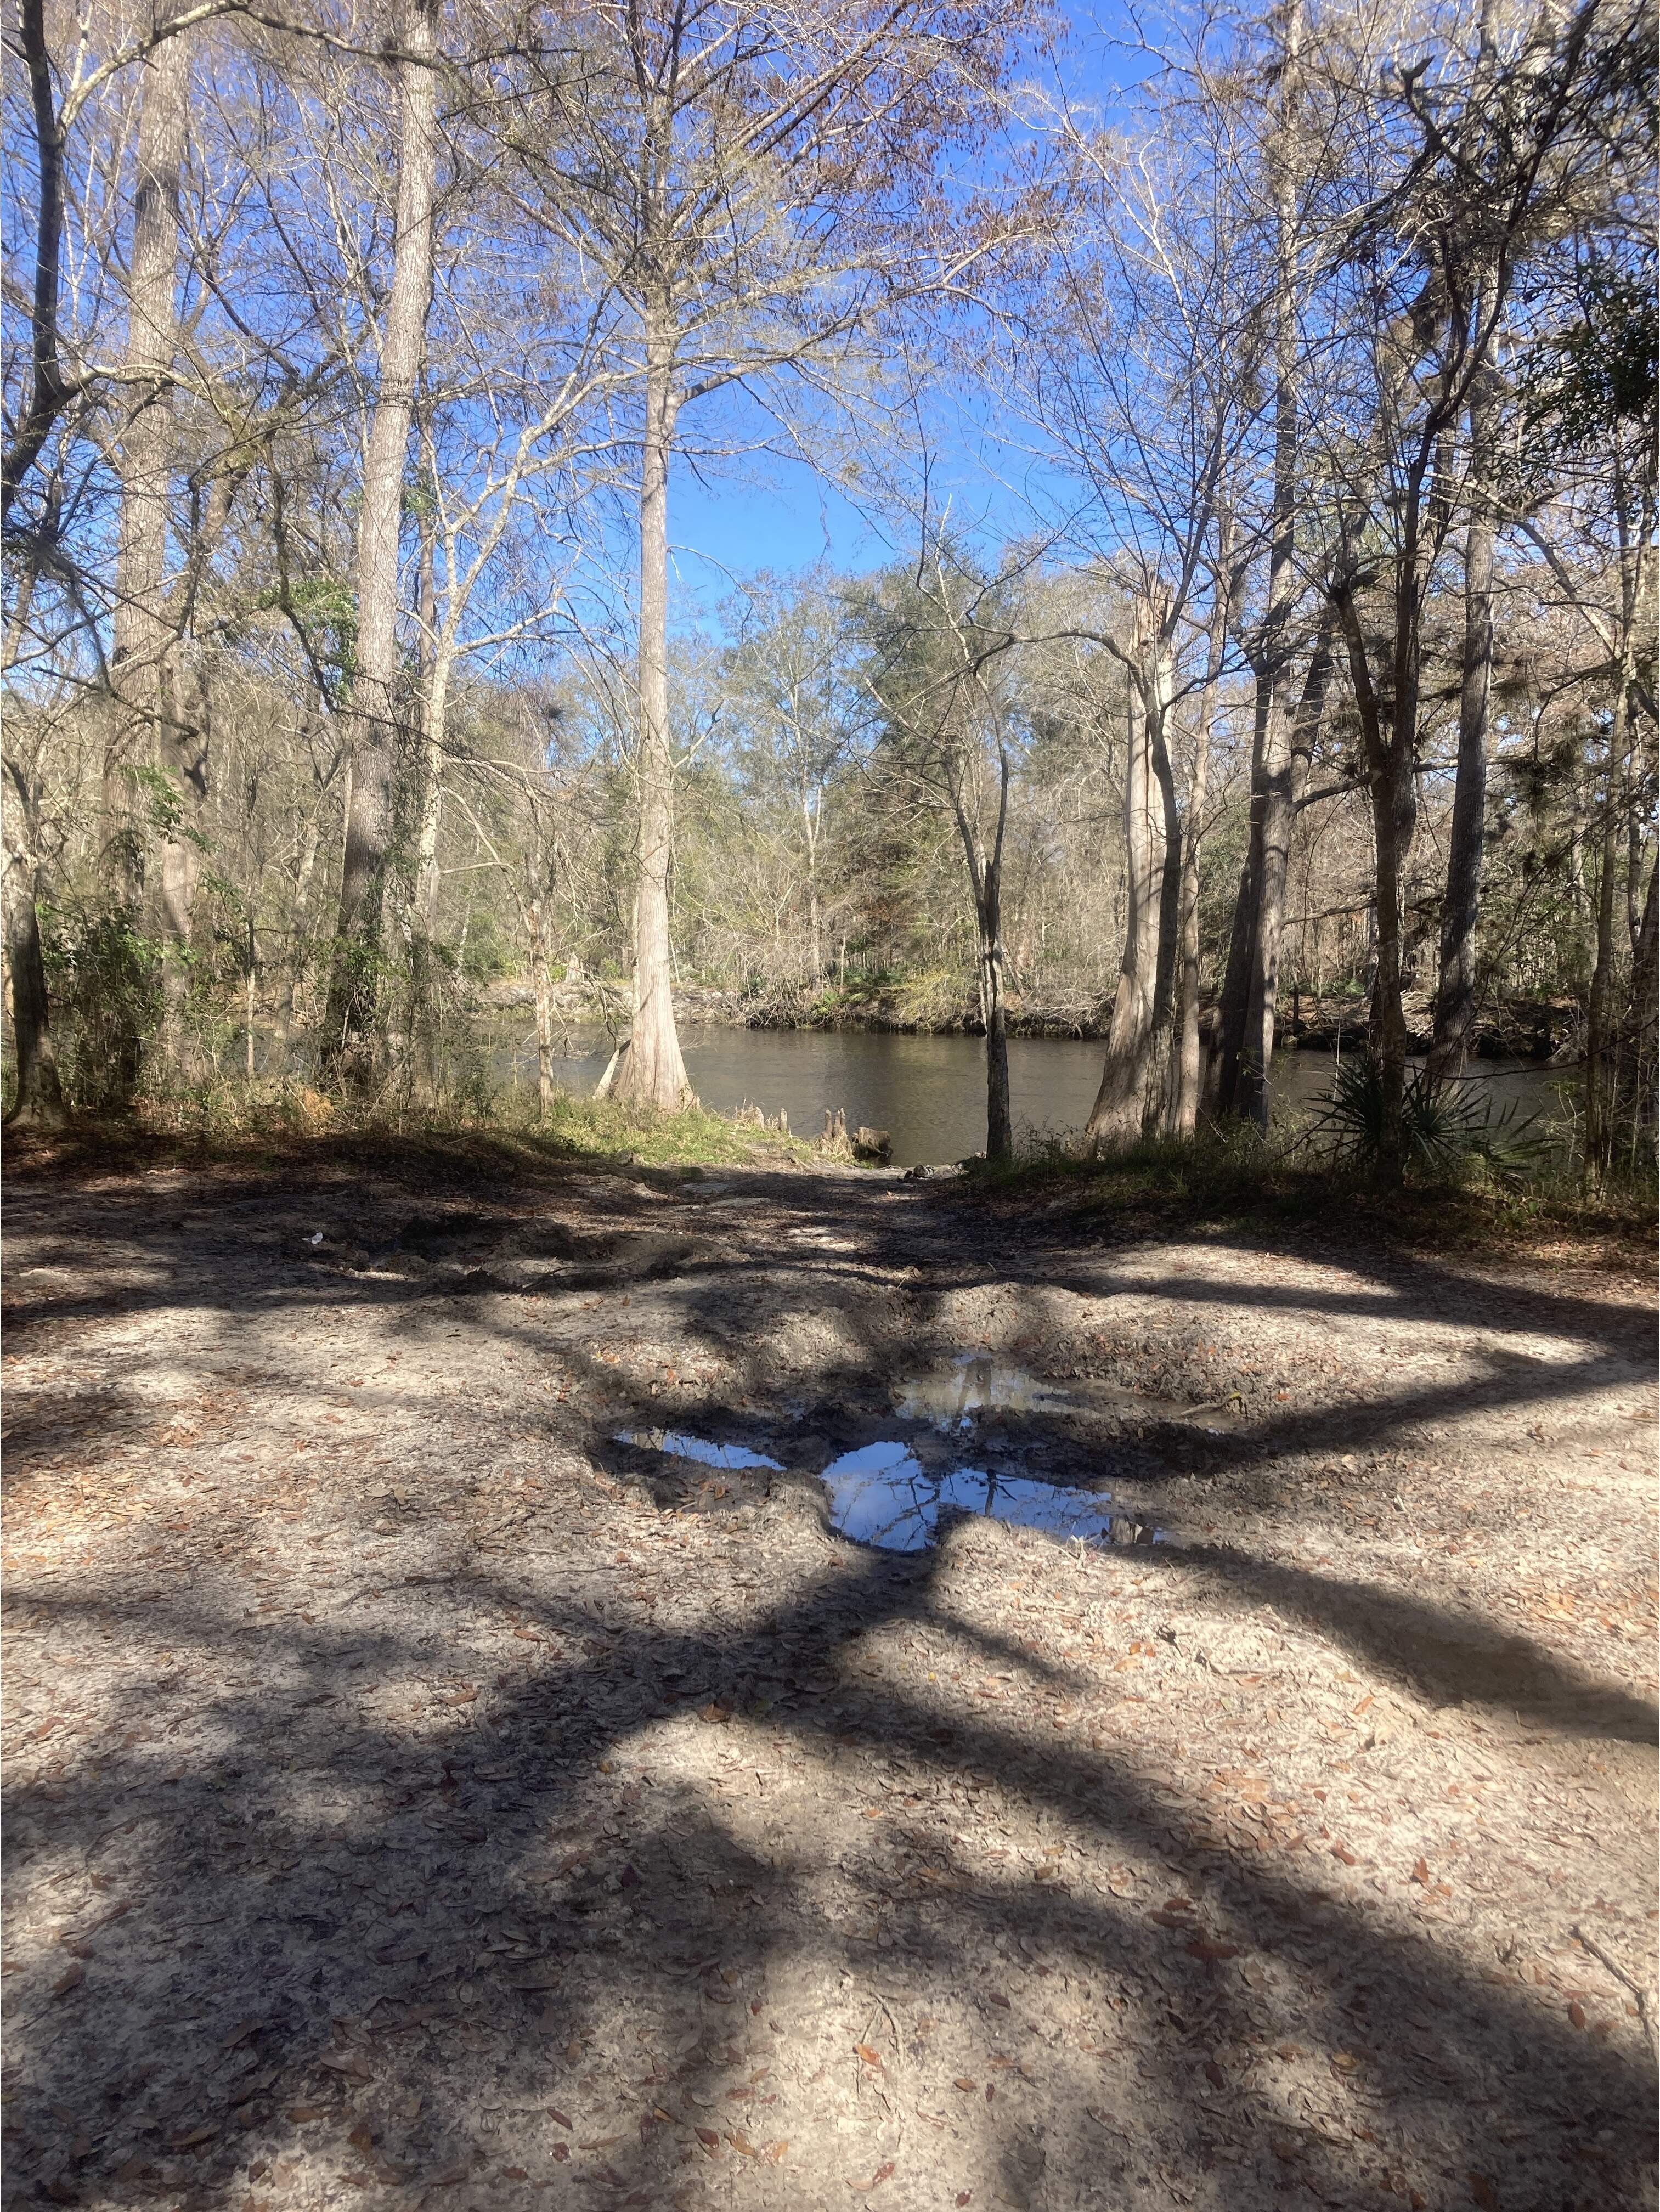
[[935, 1006], [418, 1790]]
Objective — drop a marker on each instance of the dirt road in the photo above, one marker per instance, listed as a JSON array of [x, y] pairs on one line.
[[418, 1797]]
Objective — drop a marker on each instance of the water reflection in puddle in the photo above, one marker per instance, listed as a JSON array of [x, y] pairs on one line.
[[883, 1495], [679, 1446], [975, 1383]]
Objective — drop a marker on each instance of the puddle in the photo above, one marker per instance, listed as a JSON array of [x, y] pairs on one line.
[[980, 1383], [883, 1495], [678, 1446], [975, 1382]]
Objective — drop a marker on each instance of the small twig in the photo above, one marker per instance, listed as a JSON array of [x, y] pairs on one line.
[[1645, 2012], [1211, 1406]]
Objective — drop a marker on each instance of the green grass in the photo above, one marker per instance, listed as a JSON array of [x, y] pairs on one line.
[[695, 1137], [264, 1124]]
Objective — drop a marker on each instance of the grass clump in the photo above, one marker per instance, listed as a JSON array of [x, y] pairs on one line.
[[694, 1137]]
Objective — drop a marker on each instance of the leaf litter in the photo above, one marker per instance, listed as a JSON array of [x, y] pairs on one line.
[[413, 1788]]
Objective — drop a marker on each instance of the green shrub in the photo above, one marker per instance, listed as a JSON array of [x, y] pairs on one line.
[[105, 979], [1446, 1128]]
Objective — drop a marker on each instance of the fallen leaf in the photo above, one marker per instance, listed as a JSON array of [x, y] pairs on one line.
[[870, 2057], [964, 2082], [1483, 2193], [1214, 2074], [1201, 1948], [964, 2196], [775, 2150], [1342, 1851], [1421, 1873], [881, 2174], [70, 1978], [1576, 2013]]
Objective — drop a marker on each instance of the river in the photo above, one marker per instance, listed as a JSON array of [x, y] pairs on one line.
[[930, 1092]]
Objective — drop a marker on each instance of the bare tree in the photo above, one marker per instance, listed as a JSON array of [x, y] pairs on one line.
[[377, 707], [939, 677], [747, 177]]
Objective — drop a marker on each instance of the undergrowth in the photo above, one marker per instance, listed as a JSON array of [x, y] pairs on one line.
[[275, 1122], [1232, 1180]]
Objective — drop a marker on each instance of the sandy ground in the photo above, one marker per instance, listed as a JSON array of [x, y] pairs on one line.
[[417, 1796]]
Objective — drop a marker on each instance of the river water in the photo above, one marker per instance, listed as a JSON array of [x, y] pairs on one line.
[[930, 1092]]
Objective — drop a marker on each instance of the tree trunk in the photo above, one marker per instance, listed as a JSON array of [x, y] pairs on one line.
[[1115, 1122], [1393, 815], [436, 657], [1637, 1056], [1169, 875], [348, 1047], [1599, 1056], [52, 391], [1222, 1075], [1455, 997], [1275, 810], [1000, 1122], [1282, 796], [652, 1072], [140, 634], [38, 1102], [1187, 1071], [1274, 819], [544, 1019], [144, 723]]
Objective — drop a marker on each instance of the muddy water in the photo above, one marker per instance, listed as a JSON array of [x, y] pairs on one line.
[[930, 1092], [883, 1495]]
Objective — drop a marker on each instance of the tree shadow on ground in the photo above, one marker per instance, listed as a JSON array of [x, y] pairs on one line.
[[328, 1914]]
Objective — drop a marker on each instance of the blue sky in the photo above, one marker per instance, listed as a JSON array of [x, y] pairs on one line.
[[770, 512]]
